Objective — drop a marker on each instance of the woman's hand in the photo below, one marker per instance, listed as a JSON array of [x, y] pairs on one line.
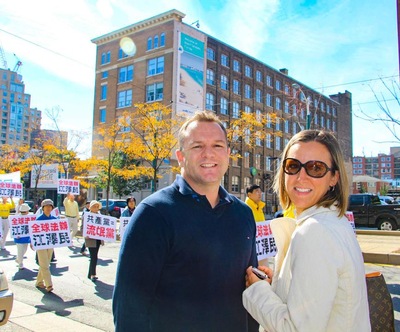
[[251, 278]]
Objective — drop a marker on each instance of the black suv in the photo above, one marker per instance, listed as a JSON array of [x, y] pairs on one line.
[[115, 207]]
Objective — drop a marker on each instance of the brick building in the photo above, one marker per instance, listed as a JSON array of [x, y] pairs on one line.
[[181, 66]]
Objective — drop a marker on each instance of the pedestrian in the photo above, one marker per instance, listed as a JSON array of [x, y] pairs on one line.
[[43, 280], [253, 200], [72, 213], [93, 244], [5, 208], [20, 202], [183, 255], [85, 209], [22, 242], [319, 278], [130, 207]]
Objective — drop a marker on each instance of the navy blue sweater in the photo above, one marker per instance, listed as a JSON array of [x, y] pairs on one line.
[[182, 263]]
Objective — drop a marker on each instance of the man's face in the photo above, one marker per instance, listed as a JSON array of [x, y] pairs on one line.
[[5, 200], [256, 195], [204, 157], [47, 209]]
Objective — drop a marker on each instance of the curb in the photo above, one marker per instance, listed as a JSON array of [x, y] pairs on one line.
[[389, 259]]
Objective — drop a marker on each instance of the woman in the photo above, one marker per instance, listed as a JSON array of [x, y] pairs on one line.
[[319, 278], [130, 207], [22, 242], [93, 244], [43, 279]]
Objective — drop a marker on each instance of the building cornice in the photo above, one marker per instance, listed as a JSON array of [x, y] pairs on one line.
[[172, 15]]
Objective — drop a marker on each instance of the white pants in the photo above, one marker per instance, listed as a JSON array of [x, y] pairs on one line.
[[5, 226], [21, 250], [73, 226]]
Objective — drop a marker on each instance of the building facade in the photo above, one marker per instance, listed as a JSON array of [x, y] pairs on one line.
[[18, 119], [179, 65]]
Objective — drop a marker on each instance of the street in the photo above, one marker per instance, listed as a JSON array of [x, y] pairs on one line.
[[78, 300]]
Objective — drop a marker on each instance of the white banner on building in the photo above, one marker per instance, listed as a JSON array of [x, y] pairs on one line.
[[47, 176]]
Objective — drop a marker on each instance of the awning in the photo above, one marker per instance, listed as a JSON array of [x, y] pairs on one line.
[[367, 178]]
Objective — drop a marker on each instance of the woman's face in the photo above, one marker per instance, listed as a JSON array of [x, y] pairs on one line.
[[131, 203], [304, 190]]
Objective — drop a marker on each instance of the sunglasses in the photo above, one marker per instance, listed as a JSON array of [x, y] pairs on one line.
[[314, 168]]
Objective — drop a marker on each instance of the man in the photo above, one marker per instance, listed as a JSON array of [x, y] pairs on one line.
[[5, 208], [72, 213], [253, 200], [183, 255]]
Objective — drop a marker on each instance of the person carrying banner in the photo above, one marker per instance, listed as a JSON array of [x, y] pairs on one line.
[[43, 280], [5, 208], [22, 242], [93, 244], [72, 213]]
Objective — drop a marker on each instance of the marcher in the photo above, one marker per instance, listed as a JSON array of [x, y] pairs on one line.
[[93, 244], [5, 208], [20, 202], [130, 207], [72, 213], [43, 279], [183, 256], [253, 200], [22, 242], [85, 209], [319, 278]]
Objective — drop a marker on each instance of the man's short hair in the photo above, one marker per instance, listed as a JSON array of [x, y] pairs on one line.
[[252, 188]]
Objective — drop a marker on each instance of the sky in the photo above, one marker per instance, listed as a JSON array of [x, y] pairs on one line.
[[329, 46]]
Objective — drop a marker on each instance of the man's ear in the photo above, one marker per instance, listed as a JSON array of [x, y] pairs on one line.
[[179, 156]]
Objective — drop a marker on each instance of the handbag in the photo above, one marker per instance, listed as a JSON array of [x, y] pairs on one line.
[[380, 303]]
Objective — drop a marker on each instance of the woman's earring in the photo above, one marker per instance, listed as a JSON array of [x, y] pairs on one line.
[[331, 188]]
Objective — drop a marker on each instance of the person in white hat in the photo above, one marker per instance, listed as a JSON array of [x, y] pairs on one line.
[[43, 280], [22, 242]]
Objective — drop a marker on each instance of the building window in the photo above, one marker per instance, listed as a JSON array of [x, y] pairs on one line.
[[268, 100], [277, 143], [258, 161], [122, 54], [268, 141], [258, 76], [104, 74], [124, 98], [154, 91], [156, 41], [125, 74], [155, 66], [224, 60], [277, 124], [236, 66], [235, 110], [105, 57], [286, 126], [247, 182], [246, 160], [236, 87], [278, 85], [247, 91], [247, 109], [247, 71], [278, 105], [268, 80], [224, 106], [224, 82], [210, 101], [149, 43], [210, 77], [103, 93], [235, 184], [210, 54], [234, 159], [287, 90], [286, 106], [102, 115], [258, 95], [162, 39]]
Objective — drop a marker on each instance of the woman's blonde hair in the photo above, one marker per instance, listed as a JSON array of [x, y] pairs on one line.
[[338, 194]]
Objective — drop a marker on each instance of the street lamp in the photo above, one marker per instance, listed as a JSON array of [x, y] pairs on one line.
[[274, 205], [308, 101]]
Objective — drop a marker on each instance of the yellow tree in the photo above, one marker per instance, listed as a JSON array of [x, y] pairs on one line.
[[152, 131]]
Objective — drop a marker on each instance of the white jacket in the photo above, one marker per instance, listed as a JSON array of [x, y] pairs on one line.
[[319, 278]]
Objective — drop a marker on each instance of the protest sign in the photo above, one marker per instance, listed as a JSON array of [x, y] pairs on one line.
[[123, 222], [66, 186], [19, 225], [350, 217], [99, 227], [11, 189], [265, 242], [51, 233]]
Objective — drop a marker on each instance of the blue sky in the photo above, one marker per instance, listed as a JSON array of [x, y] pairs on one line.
[[331, 46]]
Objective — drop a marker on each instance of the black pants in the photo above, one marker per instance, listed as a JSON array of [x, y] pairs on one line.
[[93, 259]]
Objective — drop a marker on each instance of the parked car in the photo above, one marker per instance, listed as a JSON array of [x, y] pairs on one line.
[[369, 211], [6, 299], [115, 207], [388, 199]]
